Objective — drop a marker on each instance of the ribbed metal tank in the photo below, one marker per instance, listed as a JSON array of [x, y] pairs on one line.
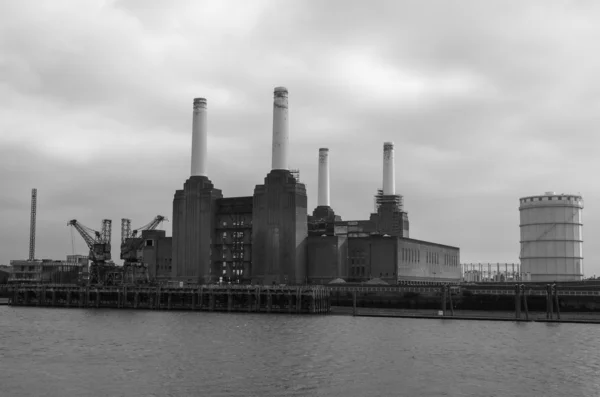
[[552, 237]]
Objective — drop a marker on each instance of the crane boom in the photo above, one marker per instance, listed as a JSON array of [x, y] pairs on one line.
[[85, 232], [151, 225]]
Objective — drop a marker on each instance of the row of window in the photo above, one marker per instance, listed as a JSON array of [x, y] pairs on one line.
[[414, 255], [432, 257], [452, 260], [531, 199], [411, 255], [234, 234], [357, 271], [238, 223], [235, 272]]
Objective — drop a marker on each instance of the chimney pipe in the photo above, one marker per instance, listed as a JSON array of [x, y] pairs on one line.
[[281, 133], [323, 199], [389, 174], [199, 140]]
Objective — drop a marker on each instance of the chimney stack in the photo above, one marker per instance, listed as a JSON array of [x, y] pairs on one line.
[[281, 133], [389, 174], [323, 199], [199, 139]]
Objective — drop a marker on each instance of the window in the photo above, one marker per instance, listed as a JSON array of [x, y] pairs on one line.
[[149, 243]]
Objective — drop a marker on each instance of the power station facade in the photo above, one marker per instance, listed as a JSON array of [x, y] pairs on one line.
[[270, 237], [552, 237]]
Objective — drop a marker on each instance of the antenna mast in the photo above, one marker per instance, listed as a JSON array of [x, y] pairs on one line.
[[32, 225]]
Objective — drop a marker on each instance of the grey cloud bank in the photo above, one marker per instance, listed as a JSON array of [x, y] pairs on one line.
[[486, 102]]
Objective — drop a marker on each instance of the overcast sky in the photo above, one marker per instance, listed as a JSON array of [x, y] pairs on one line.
[[486, 102]]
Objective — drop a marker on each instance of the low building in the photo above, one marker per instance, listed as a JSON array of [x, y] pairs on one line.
[[4, 273], [156, 252], [392, 259], [46, 271]]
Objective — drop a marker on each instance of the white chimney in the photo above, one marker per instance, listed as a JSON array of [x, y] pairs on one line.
[[199, 140], [323, 199], [389, 174], [281, 130]]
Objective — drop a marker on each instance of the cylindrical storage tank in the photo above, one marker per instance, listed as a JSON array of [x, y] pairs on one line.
[[552, 237]]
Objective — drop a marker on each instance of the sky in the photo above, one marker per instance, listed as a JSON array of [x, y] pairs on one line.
[[486, 102]]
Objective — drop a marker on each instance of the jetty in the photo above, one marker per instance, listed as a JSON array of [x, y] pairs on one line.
[[223, 298]]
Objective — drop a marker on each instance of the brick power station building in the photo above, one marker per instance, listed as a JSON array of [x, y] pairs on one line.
[[270, 237]]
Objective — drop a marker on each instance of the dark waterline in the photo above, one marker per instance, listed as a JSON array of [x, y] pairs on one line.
[[72, 352]]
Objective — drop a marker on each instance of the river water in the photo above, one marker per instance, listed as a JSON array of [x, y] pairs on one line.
[[78, 352]]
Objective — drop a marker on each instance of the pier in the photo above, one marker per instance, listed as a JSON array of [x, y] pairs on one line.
[[264, 299]]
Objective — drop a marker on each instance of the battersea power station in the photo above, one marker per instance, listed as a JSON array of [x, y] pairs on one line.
[[270, 237]]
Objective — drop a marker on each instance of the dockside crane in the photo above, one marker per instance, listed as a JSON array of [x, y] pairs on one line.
[[135, 271], [102, 269]]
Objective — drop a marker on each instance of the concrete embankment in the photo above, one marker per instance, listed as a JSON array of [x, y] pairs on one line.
[[474, 315]]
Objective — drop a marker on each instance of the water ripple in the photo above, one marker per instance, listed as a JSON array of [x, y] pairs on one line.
[[57, 352]]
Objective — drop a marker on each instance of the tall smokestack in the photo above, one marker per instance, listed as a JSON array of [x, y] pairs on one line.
[[199, 142], [281, 130], [32, 224], [389, 173], [323, 200]]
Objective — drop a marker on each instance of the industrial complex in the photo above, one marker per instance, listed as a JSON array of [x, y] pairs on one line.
[[271, 238]]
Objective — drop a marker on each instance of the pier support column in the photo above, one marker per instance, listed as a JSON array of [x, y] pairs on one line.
[[211, 300], [269, 301], [201, 296], [169, 297], [524, 293], [354, 302], [555, 290], [290, 302], [53, 297], [298, 300], [517, 301], [249, 301], [443, 300], [87, 296], [26, 297], [258, 293], [549, 309], [194, 298], [136, 299], [229, 300]]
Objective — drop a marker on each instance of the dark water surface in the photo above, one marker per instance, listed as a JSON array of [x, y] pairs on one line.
[[77, 352]]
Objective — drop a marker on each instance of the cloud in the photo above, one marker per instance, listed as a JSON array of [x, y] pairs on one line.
[[486, 102]]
